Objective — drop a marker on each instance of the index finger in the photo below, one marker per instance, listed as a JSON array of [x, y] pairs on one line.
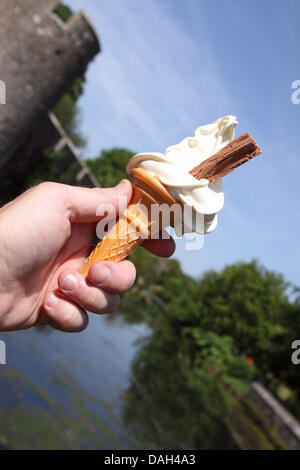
[[83, 203]]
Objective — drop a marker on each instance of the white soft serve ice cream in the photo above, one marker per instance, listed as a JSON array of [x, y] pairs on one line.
[[173, 168]]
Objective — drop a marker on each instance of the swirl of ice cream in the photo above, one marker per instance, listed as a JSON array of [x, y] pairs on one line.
[[173, 168]]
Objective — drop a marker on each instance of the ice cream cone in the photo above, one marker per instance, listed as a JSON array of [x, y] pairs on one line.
[[135, 224]]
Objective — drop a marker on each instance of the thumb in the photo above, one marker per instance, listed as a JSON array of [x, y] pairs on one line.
[[84, 204]]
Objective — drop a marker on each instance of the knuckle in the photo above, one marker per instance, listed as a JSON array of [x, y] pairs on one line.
[[130, 280], [48, 186], [126, 284], [68, 317], [109, 303], [49, 190], [74, 319], [96, 301], [124, 278]]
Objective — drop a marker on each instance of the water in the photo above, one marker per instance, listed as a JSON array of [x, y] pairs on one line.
[[63, 390]]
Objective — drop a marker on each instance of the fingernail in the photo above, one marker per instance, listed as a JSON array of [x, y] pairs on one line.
[[101, 276], [50, 300], [68, 283]]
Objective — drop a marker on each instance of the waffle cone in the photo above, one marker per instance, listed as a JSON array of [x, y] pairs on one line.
[[135, 224]]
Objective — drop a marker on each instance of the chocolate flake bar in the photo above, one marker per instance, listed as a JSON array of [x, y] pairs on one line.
[[237, 152]]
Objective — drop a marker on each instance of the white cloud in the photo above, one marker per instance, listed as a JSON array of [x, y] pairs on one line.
[[157, 81]]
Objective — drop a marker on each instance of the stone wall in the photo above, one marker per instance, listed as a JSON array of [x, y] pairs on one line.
[[279, 419], [257, 420], [40, 56]]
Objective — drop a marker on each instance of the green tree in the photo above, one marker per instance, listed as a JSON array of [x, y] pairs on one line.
[[110, 167], [205, 335], [249, 303], [170, 405], [63, 11], [68, 113], [245, 307]]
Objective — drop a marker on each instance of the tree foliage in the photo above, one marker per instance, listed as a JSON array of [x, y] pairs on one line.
[[207, 334], [110, 167], [240, 319], [63, 11], [68, 113], [169, 406]]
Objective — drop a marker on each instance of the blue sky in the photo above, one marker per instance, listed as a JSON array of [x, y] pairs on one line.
[[168, 66]]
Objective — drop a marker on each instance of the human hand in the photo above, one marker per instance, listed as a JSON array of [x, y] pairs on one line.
[[45, 235]]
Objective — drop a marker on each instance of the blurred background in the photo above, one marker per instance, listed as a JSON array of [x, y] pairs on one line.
[[199, 355]]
